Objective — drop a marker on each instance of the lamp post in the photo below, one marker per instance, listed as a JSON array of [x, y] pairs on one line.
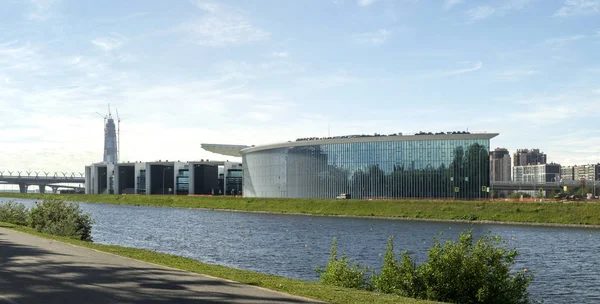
[[163, 180]]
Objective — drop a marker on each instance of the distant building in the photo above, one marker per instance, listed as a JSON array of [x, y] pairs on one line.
[[567, 173], [110, 141], [202, 177], [526, 157], [500, 165], [546, 173], [586, 172]]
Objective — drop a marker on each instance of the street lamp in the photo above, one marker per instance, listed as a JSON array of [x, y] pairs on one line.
[[163, 180]]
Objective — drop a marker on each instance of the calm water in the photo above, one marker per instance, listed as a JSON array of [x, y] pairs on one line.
[[565, 261]]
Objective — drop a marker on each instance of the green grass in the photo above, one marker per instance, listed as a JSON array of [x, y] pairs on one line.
[[290, 286], [577, 213]]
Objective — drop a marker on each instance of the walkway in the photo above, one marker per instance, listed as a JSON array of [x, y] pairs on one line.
[[38, 270]]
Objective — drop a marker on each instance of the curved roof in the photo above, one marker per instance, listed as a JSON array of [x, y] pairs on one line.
[[382, 138], [229, 150]]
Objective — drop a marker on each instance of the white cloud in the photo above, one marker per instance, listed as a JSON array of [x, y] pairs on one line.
[[16, 56], [110, 43], [41, 9], [222, 25], [440, 74], [365, 3], [578, 7], [516, 74], [374, 38], [281, 54], [448, 4], [480, 13], [562, 41]]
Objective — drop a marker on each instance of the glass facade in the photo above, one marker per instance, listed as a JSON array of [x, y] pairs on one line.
[[183, 182], [141, 182], [435, 169]]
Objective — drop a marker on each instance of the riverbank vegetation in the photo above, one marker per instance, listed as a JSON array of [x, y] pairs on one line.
[[50, 216], [312, 290], [553, 212], [462, 271]]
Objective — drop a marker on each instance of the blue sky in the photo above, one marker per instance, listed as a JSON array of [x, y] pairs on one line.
[[253, 72]]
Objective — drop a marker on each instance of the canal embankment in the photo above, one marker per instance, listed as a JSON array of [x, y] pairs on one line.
[[144, 276], [561, 259], [543, 213]]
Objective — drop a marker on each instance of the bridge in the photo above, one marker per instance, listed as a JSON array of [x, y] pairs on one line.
[[536, 186], [42, 180]]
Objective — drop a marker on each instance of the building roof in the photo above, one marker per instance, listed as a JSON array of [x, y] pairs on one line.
[[230, 150], [239, 150], [378, 138]]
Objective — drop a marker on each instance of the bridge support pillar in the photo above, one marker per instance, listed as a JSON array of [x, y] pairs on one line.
[[23, 188], [54, 189], [42, 188]]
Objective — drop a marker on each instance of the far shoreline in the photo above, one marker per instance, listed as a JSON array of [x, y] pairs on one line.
[[539, 214]]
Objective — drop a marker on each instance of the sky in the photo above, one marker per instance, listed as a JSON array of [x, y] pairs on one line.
[[182, 73]]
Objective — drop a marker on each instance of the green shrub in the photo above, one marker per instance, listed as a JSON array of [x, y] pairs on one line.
[[462, 271], [57, 217], [466, 271], [399, 277], [339, 272], [14, 213]]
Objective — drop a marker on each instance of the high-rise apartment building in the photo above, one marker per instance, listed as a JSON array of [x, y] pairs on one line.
[[586, 172], [526, 157], [567, 173], [547, 173], [500, 165]]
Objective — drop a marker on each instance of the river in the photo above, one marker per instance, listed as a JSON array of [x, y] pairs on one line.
[[564, 261]]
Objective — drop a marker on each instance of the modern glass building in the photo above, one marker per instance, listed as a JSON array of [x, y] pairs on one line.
[[435, 166]]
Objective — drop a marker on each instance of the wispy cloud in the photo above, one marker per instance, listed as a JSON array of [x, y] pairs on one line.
[[516, 74], [578, 7], [480, 13], [374, 38], [448, 4], [440, 74], [562, 41], [41, 9], [364, 3], [280, 54], [111, 42], [222, 25], [17, 56]]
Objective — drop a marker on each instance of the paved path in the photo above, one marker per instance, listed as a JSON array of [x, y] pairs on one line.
[[38, 270]]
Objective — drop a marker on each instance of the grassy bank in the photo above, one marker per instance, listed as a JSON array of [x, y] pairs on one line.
[[291, 286], [578, 213]]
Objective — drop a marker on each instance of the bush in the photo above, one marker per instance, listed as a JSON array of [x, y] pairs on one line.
[[462, 271], [57, 217], [339, 272], [398, 277], [473, 272], [14, 213]]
